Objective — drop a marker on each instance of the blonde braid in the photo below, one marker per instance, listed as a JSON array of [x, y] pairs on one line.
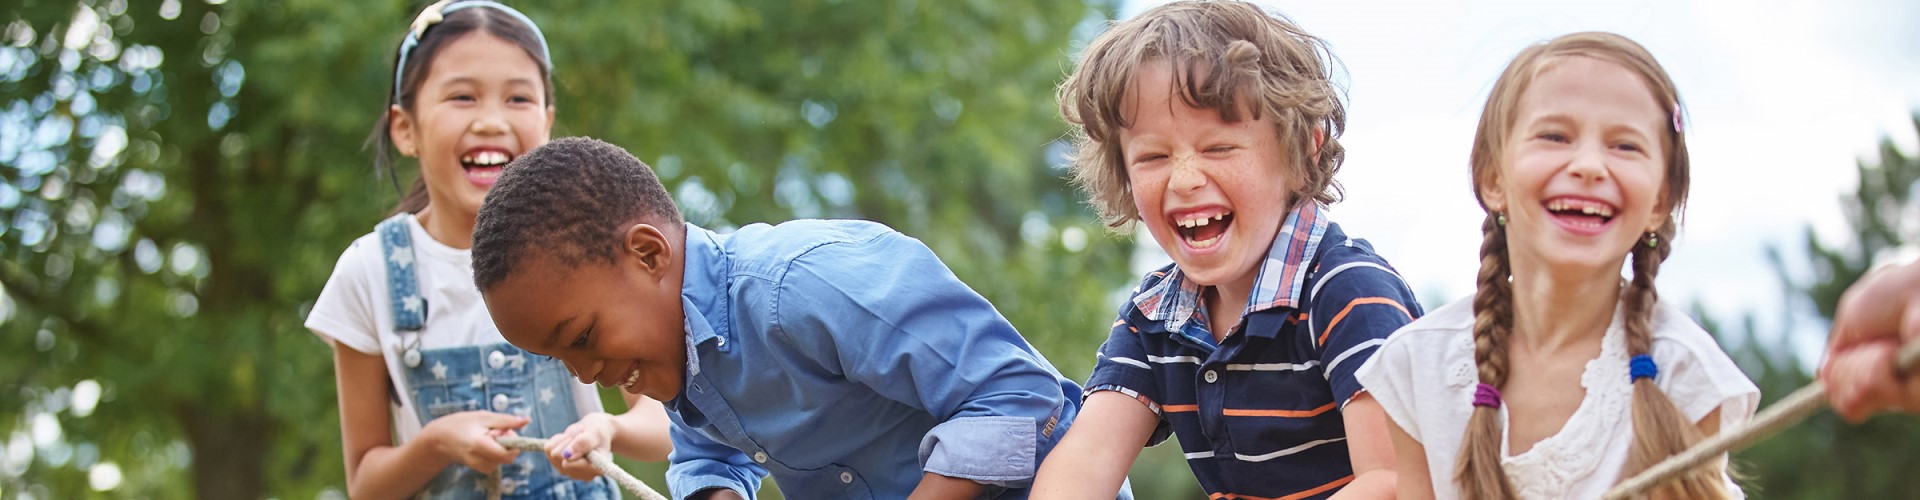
[[1479, 473], [1659, 429]]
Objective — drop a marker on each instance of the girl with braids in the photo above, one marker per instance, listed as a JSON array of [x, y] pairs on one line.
[[1557, 379], [426, 382]]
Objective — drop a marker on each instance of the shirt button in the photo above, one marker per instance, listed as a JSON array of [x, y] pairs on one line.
[[411, 357], [720, 341], [497, 359], [846, 477], [500, 402], [1211, 376], [760, 456]]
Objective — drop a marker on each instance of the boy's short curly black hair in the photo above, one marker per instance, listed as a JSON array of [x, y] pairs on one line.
[[569, 200]]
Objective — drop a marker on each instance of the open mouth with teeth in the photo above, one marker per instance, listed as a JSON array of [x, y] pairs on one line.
[[1202, 230], [633, 377], [1580, 213], [483, 165]]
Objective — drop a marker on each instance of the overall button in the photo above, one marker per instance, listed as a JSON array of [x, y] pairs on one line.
[[411, 357], [497, 359], [500, 402], [760, 456], [846, 477], [1211, 376]]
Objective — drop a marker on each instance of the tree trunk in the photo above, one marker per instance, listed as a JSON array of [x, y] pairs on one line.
[[229, 453]]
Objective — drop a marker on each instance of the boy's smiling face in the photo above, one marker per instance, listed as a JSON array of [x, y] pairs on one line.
[[618, 325], [1212, 193]]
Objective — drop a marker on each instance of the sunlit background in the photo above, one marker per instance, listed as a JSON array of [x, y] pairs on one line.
[[1782, 99]]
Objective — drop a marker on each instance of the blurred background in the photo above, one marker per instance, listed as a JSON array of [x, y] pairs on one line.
[[177, 178]]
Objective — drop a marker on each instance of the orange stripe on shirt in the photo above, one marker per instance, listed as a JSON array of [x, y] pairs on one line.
[[1179, 408], [1296, 496], [1349, 308], [1232, 412]]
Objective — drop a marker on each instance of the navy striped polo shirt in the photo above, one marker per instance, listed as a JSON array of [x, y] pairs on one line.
[[1258, 413]]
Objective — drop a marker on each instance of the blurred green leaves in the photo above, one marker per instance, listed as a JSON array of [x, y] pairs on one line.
[[177, 178]]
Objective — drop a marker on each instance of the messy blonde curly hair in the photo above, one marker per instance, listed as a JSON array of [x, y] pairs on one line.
[[1231, 57]]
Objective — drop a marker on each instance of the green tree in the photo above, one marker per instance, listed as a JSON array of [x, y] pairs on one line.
[[178, 177], [1824, 457]]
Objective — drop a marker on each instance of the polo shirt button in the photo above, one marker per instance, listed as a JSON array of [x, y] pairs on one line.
[[846, 477], [497, 359], [500, 402], [1211, 376], [760, 456]]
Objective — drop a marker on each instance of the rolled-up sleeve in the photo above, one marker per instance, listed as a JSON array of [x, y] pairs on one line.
[[886, 313], [1121, 366], [697, 463]]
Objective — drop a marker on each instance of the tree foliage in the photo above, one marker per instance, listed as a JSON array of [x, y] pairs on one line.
[[1824, 457], [177, 178]]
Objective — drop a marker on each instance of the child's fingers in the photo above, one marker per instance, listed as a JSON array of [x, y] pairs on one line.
[[504, 421], [579, 469], [583, 443], [488, 454], [557, 440]]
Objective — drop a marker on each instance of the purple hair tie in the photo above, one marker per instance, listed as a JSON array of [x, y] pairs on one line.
[[1486, 395], [1642, 366]]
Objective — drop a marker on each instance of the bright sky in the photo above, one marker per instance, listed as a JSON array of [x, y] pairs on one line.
[[1783, 97]]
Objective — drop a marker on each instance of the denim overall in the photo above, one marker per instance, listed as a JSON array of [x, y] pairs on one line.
[[498, 377]]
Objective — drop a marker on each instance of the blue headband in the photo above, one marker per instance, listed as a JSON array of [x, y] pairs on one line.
[[437, 12]]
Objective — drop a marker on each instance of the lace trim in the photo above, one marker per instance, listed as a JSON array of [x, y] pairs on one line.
[[1554, 465]]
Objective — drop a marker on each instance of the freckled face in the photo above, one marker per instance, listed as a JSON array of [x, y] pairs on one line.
[[1212, 193]]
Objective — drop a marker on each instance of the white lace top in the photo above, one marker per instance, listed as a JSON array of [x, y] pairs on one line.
[[1424, 376]]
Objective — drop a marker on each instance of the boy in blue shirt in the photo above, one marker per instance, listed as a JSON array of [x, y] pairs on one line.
[[841, 357]]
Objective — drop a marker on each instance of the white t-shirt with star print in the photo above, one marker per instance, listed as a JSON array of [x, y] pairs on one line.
[[355, 310]]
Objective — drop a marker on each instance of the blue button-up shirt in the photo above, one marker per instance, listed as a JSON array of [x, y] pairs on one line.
[[845, 359], [1258, 413]]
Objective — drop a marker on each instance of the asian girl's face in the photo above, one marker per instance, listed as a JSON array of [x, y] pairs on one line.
[[481, 104]]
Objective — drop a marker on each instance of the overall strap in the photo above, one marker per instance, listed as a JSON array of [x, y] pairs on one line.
[[403, 283]]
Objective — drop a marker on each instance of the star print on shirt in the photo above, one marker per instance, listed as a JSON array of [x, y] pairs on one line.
[[402, 255], [412, 303], [546, 395], [479, 380], [439, 371]]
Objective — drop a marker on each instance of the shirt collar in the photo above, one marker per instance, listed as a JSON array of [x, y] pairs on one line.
[[1280, 282], [703, 296]]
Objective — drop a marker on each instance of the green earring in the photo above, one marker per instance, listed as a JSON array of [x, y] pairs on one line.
[[1500, 218], [1653, 240]]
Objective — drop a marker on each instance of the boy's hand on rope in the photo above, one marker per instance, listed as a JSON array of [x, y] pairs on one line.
[[568, 449], [468, 437], [1875, 316]]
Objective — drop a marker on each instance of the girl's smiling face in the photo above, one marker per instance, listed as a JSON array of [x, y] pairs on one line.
[[1212, 193], [481, 104], [1582, 175]]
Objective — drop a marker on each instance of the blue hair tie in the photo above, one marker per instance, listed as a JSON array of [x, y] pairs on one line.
[[437, 12], [1642, 366]]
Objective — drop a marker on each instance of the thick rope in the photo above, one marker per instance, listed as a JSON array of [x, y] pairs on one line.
[[601, 461], [1781, 415]]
